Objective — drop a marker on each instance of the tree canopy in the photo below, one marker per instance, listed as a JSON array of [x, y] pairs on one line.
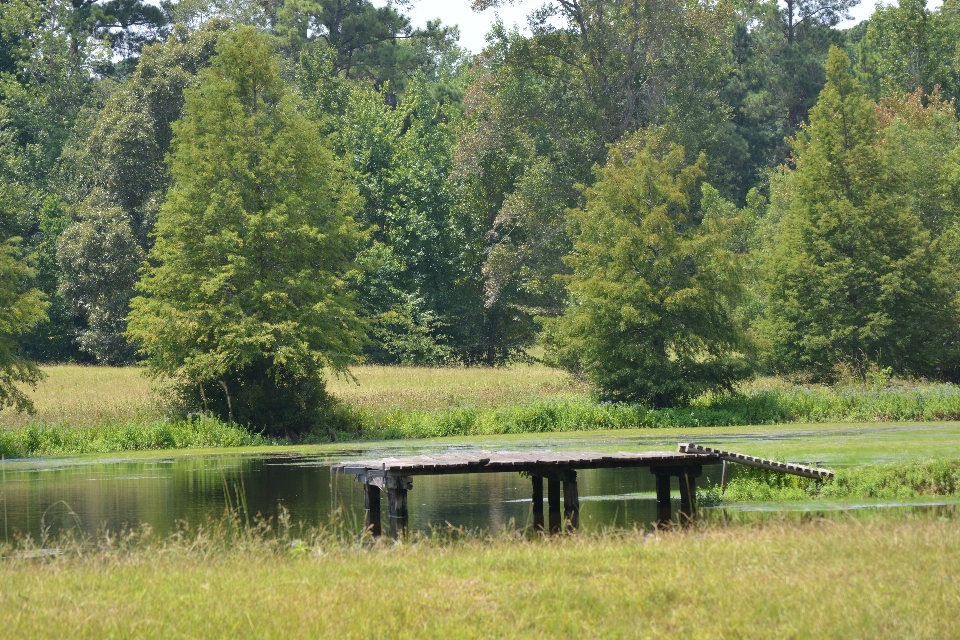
[[357, 187], [246, 285]]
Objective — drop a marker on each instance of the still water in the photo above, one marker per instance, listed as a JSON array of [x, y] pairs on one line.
[[94, 494], [109, 494]]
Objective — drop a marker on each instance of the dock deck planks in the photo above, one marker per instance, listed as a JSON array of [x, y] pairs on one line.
[[395, 475], [504, 461]]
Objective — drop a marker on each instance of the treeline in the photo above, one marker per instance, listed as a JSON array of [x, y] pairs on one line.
[[667, 196]]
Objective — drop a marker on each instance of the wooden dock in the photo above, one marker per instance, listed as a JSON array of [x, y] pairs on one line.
[[395, 476]]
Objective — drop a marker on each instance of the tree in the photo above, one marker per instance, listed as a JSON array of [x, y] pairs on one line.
[[100, 258], [121, 180], [20, 310], [905, 48], [650, 317], [854, 279], [244, 302], [541, 113], [414, 288], [371, 42]]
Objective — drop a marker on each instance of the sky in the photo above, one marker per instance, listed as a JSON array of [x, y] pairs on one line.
[[474, 26]]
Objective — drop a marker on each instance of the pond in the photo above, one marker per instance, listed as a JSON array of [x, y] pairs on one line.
[[162, 491]]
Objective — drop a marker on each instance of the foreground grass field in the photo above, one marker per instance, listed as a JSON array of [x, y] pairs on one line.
[[824, 579]]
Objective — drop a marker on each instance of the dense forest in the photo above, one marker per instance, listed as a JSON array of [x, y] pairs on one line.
[[662, 197]]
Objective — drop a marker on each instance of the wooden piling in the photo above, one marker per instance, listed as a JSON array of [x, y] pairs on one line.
[[571, 501], [371, 508], [537, 503], [397, 504], [688, 494], [553, 504], [663, 497]]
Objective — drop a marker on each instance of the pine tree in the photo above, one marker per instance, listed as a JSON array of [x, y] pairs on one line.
[[245, 300], [854, 278]]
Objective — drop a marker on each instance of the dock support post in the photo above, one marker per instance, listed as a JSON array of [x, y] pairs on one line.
[[571, 501], [688, 493], [371, 509], [663, 497], [397, 501], [553, 504], [537, 503]]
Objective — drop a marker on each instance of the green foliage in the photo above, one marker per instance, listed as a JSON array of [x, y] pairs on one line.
[[413, 285], [541, 111], [100, 258], [38, 439], [652, 292], [133, 132], [899, 481], [246, 293], [853, 276], [853, 404], [53, 339], [124, 178], [20, 310], [907, 48], [777, 54]]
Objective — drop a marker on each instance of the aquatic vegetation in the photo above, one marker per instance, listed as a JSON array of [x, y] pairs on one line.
[[903, 480]]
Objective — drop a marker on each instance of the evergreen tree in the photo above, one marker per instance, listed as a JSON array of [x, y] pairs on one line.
[[244, 302], [854, 279], [650, 317]]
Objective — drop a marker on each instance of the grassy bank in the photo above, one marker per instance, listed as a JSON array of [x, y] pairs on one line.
[[100, 409], [898, 481], [752, 406], [834, 579], [39, 439]]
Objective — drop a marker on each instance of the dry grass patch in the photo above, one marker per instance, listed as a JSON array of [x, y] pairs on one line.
[[424, 388], [87, 396]]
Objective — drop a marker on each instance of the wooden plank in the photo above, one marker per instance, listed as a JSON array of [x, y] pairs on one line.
[[761, 463], [487, 462]]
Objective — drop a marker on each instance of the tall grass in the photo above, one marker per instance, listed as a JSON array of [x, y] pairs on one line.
[[749, 407], [833, 579], [38, 439], [101, 409], [896, 481]]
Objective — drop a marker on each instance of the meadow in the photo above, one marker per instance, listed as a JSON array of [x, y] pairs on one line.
[[836, 578], [104, 409], [883, 574]]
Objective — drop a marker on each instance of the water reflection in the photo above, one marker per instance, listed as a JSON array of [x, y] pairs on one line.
[[110, 494]]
